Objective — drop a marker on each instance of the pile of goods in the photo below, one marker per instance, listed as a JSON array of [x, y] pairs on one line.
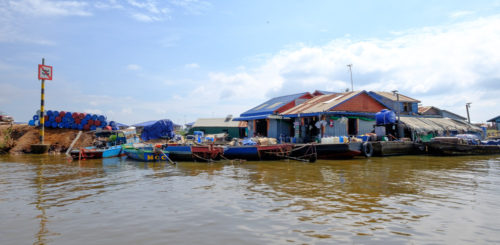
[[73, 120]]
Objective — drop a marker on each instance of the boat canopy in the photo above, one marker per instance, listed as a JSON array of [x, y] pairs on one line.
[[424, 125]]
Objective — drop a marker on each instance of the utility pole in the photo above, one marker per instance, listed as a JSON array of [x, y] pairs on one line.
[[400, 129], [467, 106], [350, 71]]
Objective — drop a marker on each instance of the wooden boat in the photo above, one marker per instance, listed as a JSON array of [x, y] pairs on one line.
[[194, 152], [146, 154], [108, 143], [328, 151], [258, 152], [93, 152], [394, 148], [455, 146]]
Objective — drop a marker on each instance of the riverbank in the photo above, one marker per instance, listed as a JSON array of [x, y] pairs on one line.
[[17, 139]]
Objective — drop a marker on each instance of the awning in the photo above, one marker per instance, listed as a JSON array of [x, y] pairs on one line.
[[424, 125], [265, 116]]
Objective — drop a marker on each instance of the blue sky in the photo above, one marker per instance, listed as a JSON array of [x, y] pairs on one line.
[[184, 59]]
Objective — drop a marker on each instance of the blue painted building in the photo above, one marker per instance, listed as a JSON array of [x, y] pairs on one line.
[[496, 122], [407, 105], [265, 119]]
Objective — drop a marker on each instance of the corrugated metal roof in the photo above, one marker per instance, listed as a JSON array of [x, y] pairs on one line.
[[272, 105], [426, 125], [424, 109], [493, 119], [219, 122], [391, 96], [321, 103]]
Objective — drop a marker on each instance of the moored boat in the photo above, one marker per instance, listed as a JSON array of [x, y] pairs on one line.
[[456, 146], [194, 152], [394, 148], [146, 154], [258, 152], [93, 152], [329, 151]]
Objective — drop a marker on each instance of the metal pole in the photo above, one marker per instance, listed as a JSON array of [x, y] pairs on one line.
[[467, 106], [350, 71], [42, 119], [400, 129]]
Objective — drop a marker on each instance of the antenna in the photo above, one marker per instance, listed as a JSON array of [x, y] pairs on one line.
[[350, 71]]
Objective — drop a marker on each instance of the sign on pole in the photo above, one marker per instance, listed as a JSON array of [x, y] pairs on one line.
[[44, 72]]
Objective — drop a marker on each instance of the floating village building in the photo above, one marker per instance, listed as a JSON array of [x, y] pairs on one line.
[[434, 111], [234, 129], [496, 122], [305, 117]]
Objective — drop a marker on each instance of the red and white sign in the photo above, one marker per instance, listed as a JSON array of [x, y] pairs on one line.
[[44, 72]]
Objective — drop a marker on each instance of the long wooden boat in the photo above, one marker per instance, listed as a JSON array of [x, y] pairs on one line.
[[92, 152], [328, 151], [258, 152], [194, 152], [147, 154], [394, 148], [458, 148]]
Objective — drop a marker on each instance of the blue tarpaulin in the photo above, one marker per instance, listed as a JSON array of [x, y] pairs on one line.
[[160, 129]]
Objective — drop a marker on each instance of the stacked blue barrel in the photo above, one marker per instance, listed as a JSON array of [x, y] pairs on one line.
[[74, 120]]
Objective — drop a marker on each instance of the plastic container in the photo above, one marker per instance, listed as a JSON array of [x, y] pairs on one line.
[[385, 117]]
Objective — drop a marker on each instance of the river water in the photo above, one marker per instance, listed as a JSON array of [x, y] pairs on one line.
[[390, 200]]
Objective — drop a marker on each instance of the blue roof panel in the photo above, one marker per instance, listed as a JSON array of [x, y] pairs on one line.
[[271, 105]]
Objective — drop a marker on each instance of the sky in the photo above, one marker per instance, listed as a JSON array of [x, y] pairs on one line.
[[135, 61]]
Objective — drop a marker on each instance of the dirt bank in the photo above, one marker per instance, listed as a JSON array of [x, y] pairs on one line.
[[16, 139]]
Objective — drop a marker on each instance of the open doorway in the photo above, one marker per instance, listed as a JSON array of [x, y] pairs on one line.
[[261, 127], [352, 126]]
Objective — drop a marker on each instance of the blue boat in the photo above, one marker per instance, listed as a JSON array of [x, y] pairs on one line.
[[258, 152], [194, 152], [93, 152], [147, 154]]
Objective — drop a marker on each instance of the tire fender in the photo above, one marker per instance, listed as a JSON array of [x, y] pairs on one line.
[[367, 149]]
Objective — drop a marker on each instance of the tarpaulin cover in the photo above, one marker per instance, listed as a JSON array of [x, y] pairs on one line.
[[160, 129]]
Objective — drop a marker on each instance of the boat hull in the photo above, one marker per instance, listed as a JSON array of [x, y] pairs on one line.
[[258, 152], [328, 151], [194, 153], [454, 149], [95, 153], [394, 148], [146, 155]]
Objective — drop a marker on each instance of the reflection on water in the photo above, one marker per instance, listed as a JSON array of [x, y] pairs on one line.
[[410, 199]]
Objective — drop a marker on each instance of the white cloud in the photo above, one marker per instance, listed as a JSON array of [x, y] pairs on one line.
[[134, 67], [192, 66], [110, 4], [445, 66], [460, 14], [195, 7], [148, 11], [51, 8]]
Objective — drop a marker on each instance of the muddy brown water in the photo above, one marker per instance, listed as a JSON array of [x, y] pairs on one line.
[[389, 200]]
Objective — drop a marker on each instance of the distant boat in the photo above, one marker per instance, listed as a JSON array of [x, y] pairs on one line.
[[146, 154], [456, 146]]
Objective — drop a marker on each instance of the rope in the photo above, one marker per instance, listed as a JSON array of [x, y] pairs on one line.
[[204, 159]]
